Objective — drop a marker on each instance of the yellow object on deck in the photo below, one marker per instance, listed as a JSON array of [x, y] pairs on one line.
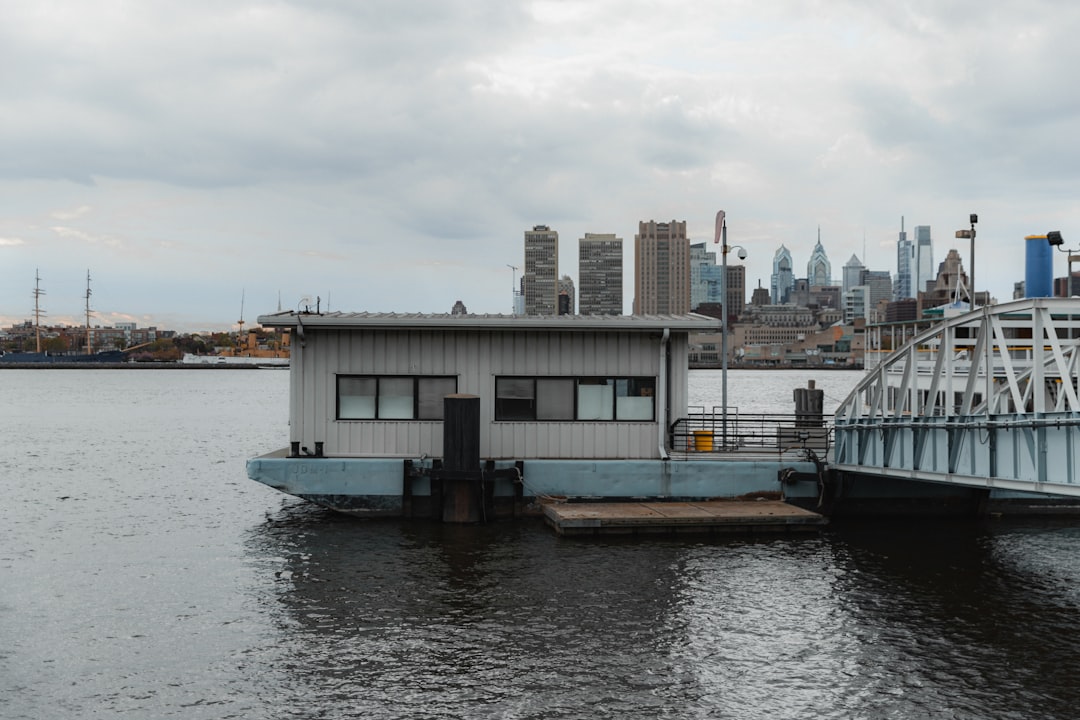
[[703, 440]]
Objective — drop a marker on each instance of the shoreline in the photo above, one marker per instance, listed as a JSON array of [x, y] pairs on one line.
[[135, 366]]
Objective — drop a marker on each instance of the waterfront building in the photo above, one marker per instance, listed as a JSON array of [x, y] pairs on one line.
[[600, 274], [819, 269], [783, 277], [661, 269], [541, 277], [902, 288]]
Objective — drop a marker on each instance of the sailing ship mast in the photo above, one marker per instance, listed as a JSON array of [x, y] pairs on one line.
[[38, 292], [89, 347]]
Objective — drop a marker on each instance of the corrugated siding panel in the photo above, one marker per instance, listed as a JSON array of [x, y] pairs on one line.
[[475, 357]]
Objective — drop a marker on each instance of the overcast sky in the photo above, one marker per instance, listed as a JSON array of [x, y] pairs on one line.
[[389, 155]]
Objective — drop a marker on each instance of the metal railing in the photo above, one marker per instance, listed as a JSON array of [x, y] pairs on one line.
[[704, 432]]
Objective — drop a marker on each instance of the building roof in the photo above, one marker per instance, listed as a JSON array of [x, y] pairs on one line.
[[445, 321]]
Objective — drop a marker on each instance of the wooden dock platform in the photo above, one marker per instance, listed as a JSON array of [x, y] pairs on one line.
[[658, 517]]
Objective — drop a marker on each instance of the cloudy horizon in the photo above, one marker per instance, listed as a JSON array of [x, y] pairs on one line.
[[389, 156]]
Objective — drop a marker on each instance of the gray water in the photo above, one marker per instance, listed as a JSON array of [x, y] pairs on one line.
[[142, 575]]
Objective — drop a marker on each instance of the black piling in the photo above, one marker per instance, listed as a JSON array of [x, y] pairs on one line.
[[461, 472], [809, 406]]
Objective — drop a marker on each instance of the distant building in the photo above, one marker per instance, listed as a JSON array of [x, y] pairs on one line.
[[783, 277], [541, 286], [922, 264], [760, 296], [819, 269], [881, 289], [566, 295], [704, 276], [950, 275], [852, 273], [1018, 290], [902, 288], [459, 309], [600, 274], [661, 269], [904, 310], [857, 304]]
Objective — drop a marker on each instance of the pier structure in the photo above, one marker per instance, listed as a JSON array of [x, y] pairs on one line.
[[986, 399]]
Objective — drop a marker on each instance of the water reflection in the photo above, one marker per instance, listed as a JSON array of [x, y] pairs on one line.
[[390, 619], [950, 618], [393, 619]]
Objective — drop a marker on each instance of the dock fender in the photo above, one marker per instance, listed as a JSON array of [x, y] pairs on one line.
[[787, 476]]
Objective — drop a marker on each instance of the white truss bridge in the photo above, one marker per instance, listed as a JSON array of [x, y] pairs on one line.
[[986, 399]]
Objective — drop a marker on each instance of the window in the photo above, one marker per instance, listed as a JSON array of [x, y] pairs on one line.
[[392, 397], [569, 399]]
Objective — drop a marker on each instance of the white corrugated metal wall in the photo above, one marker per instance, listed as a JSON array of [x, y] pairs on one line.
[[476, 357]]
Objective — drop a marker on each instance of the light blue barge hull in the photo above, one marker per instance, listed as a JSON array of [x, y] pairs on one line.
[[375, 486]]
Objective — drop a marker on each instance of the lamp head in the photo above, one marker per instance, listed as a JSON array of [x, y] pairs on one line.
[[1054, 237], [964, 234]]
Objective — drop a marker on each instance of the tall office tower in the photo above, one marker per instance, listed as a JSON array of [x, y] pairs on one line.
[[566, 295], [819, 269], [922, 265], [902, 288], [661, 269], [704, 276], [783, 276], [541, 277], [600, 274], [736, 292], [852, 273], [880, 284]]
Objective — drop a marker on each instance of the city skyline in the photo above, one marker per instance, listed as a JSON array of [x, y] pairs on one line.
[[188, 153]]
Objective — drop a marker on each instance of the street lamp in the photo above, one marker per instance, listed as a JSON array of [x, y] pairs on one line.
[[1054, 238], [970, 236], [721, 237], [513, 288]]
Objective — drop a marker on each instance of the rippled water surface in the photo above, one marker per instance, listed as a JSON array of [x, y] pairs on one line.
[[144, 576]]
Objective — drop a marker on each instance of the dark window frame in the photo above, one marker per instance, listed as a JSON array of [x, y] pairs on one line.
[[416, 380], [639, 382]]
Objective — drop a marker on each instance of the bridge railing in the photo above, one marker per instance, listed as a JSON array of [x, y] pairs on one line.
[[749, 433]]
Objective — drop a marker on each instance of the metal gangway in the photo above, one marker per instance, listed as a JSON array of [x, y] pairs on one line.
[[988, 399]]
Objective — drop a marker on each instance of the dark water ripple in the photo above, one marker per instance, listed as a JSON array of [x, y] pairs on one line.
[[143, 576]]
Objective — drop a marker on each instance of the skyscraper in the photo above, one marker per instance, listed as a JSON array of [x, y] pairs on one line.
[[819, 269], [600, 274], [661, 269], [541, 277], [902, 288], [922, 266], [566, 295], [704, 276], [852, 273], [783, 276]]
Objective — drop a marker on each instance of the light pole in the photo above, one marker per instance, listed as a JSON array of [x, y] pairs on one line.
[[1054, 238], [721, 237], [513, 288], [970, 235]]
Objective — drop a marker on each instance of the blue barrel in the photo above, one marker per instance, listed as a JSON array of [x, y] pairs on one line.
[[1039, 270]]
